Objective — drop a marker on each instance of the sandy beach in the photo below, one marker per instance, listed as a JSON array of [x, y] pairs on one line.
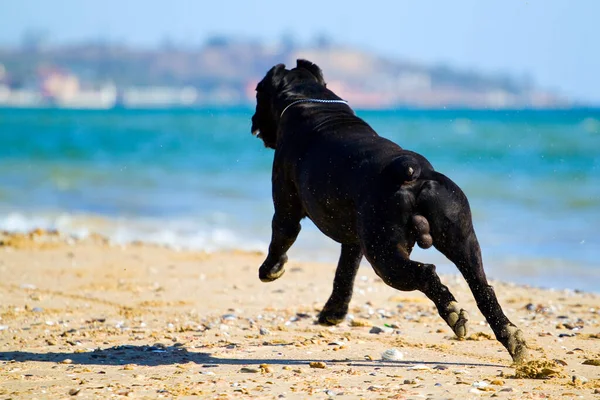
[[90, 319]]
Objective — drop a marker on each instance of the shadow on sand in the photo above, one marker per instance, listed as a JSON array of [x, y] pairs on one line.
[[170, 355]]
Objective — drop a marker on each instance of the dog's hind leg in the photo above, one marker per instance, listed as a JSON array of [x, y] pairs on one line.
[[285, 229], [391, 263], [449, 215], [336, 308]]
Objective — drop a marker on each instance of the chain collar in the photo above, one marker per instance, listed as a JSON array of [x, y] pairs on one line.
[[312, 101]]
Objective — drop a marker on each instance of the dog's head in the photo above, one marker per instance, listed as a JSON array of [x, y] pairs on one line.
[[271, 93]]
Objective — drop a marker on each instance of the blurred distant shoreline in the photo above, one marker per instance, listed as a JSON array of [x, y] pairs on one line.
[[575, 110], [224, 72]]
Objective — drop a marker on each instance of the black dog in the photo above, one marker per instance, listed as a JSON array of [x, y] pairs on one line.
[[368, 194]]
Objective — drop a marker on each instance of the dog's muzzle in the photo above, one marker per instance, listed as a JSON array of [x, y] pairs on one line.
[[256, 133]]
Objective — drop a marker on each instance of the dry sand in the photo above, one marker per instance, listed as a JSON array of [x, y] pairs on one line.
[[94, 320]]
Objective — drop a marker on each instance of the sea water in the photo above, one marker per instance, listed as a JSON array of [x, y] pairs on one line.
[[197, 179]]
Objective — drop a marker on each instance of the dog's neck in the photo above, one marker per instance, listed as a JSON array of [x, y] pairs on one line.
[[311, 101]]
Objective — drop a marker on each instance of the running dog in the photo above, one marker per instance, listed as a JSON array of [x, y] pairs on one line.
[[368, 194]]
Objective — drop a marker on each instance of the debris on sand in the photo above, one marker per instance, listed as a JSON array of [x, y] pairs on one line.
[[480, 336], [419, 367], [265, 368], [595, 362], [264, 331], [377, 330], [360, 323], [579, 380], [249, 370]]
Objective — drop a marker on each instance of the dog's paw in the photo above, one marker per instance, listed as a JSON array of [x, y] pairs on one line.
[[516, 345], [329, 318], [457, 319], [268, 272], [271, 275]]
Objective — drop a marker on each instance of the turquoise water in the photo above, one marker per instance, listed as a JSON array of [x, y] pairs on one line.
[[198, 179]]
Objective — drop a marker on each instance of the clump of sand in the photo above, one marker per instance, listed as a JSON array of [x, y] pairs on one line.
[[538, 369]]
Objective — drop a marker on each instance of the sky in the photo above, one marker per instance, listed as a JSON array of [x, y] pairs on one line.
[[553, 41]]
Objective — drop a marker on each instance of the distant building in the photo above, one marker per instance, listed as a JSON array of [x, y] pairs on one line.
[[57, 84], [19, 97], [158, 96], [64, 90], [104, 97]]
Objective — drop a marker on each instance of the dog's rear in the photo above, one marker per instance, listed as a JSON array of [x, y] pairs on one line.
[[370, 195]]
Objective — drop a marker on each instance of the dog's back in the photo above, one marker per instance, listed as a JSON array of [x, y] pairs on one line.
[[340, 167]]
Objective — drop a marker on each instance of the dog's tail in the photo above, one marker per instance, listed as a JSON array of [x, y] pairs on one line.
[[405, 170], [408, 167]]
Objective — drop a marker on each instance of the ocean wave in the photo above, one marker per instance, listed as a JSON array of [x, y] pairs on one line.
[[591, 125]]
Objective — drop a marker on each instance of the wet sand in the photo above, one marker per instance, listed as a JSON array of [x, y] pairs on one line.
[[95, 320]]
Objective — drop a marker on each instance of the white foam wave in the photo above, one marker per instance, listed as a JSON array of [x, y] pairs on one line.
[[177, 234]]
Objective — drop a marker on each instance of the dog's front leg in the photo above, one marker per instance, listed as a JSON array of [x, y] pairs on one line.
[[285, 229], [336, 308]]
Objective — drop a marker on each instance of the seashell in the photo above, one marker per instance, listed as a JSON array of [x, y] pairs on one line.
[[392, 355]]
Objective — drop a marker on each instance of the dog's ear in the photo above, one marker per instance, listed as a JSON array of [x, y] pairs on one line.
[[274, 77], [312, 68]]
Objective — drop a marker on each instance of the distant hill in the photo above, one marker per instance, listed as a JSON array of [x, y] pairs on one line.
[[223, 71]]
